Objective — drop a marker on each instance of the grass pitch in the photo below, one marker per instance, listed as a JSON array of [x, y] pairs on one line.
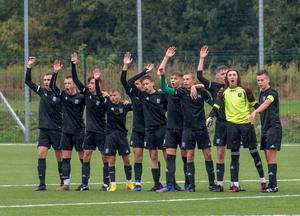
[[18, 179]]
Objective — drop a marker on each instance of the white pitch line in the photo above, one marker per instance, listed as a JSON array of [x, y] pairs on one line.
[[32, 144], [148, 201], [147, 182]]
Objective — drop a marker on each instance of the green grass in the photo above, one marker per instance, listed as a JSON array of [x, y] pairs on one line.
[[18, 169]]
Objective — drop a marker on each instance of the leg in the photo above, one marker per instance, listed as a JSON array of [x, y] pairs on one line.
[[106, 178], [234, 170], [258, 164], [42, 153], [138, 166], [209, 168], [191, 169], [58, 155], [184, 160], [85, 170], [66, 168], [220, 167], [272, 168], [155, 169]]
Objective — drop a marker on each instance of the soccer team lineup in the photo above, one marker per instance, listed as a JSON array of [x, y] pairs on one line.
[[170, 119]]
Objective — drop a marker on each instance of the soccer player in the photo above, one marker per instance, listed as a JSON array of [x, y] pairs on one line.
[[154, 109], [138, 123], [271, 130], [95, 125], [220, 128], [173, 135], [72, 124], [50, 117], [194, 128], [116, 137], [237, 100]]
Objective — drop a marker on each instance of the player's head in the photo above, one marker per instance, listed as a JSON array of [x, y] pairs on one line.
[[263, 79], [176, 79], [188, 79], [138, 84], [233, 78], [46, 80], [91, 85], [115, 96], [148, 84], [221, 74], [69, 85]]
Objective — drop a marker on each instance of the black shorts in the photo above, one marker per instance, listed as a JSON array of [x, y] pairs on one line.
[[116, 140], [192, 137], [238, 134], [154, 137], [68, 141], [137, 139], [93, 140], [173, 138], [48, 138], [271, 139], [220, 133]]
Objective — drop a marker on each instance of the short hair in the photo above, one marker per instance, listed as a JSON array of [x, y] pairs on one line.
[[49, 74], [177, 74], [262, 72], [147, 77], [190, 73], [90, 78], [115, 90], [68, 77], [221, 68]]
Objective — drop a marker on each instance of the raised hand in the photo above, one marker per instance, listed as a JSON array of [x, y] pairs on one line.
[[170, 52], [204, 51], [149, 68], [127, 58], [57, 66], [96, 73], [31, 61], [74, 57]]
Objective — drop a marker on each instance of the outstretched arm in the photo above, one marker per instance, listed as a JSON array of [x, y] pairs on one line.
[[80, 85], [164, 87], [53, 85], [127, 61], [261, 108], [28, 80], [201, 78]]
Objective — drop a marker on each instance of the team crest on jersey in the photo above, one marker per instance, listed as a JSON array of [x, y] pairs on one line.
[[66, 98], [106, 150], [54, 99], [264, 98], [239, 94], [45, 94], [76, 101], [90, 97], [121, 110], [112, 109], [183, 144], [199, 96], [158, 100], [147, 98], [97, 103]]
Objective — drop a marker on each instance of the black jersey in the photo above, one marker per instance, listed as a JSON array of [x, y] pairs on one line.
[[270, 117], [174, 113], [72, 109], [116, 116], [193, 109], [213, 88], [95, 110], [138, 123], [154, 105], [50, 107]]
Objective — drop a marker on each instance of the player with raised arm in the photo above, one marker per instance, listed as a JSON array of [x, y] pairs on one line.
[[154, 109], [194, 128], [237, 101], [173, 135], [271, 130], [116, 137], [72, 124], [220, 128], [95, 125], [138, 123], [50, 120]]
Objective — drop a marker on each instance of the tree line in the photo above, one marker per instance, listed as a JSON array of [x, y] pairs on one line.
[[106, 27]]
